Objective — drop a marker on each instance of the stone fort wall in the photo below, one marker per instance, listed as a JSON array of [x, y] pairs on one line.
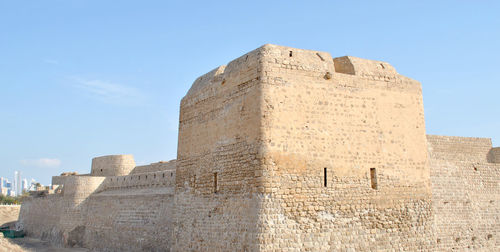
[[112, 165], [288, 150], [216, 200], [345, 160], [465, 193], [134, 205]]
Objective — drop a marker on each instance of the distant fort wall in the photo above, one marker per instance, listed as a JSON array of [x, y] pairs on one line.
[[154, 167], [113, 165], [470, 149], [465, 193], [494, 155], [88, 203]]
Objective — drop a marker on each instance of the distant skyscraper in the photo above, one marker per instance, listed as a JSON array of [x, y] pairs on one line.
[[24, 185], [3, 190], [17, 183]]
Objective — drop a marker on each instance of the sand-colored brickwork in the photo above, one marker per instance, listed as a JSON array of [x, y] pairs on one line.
[[466, 193], [284, 149]]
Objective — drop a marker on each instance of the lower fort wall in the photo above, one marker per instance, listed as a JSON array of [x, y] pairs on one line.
[[217, 223], [465, 194], [41, 217], [130, 220]]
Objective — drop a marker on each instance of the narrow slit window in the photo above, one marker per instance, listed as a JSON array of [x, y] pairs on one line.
[[325, 179], [216, 189], [290, 54], [373, 176]]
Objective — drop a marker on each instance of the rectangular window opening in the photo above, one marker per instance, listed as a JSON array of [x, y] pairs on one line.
[[324, 177], [373, 176], [216, 189]]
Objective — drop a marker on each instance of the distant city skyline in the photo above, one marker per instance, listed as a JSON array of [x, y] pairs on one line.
[[81, 79], [14, 188]]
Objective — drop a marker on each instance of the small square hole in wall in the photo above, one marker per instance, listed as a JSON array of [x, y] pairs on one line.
[[290, 54], [373, 178]]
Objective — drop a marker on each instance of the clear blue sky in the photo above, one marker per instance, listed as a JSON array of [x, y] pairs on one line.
[[81, 79]]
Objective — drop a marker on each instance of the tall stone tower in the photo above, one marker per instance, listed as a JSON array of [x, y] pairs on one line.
[[290, 149]]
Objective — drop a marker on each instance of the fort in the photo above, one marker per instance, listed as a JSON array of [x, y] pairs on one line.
[[284, 149]]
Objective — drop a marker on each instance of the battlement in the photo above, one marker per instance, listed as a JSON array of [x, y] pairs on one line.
[[164, 178]]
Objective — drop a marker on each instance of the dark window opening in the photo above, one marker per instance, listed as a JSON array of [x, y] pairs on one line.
[[373, 176], [163, 174], [139, 177], [154, 176], [291, 54], [101, 170], [324, 177], [215, 183], [171, 174]]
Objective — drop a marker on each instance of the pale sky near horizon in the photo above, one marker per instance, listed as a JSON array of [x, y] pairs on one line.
[[80, 79]]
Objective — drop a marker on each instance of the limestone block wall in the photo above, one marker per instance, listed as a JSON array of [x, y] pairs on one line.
[[265, 130], [466, 193], [164, 178], [58, 180], [217, 164], [159, 166], [469, 149], [324, 130], [130, 220], [60, 217], [40, 217], [112, 165], [494, 155]]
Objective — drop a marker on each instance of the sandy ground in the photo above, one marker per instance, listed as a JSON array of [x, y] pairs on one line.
[[8, 216]]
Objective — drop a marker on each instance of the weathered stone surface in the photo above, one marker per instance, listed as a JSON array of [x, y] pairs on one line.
[[286, 149]]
